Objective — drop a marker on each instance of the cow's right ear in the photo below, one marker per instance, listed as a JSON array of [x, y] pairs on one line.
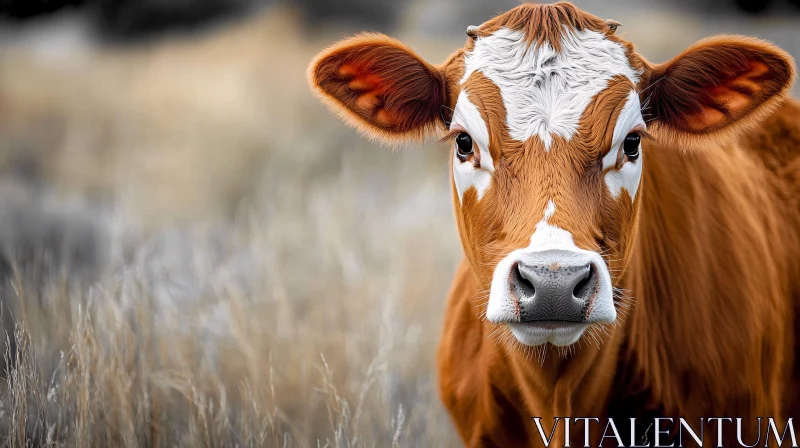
[[381, 87]]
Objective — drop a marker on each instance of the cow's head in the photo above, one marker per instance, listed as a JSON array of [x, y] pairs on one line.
[[548, 115]]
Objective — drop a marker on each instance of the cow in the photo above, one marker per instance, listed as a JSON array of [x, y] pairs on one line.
[[630, 229]]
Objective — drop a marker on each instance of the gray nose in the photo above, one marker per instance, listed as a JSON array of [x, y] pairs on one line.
[[555, 285]]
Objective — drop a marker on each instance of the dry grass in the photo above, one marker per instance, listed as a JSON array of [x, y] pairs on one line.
[[265, 278]]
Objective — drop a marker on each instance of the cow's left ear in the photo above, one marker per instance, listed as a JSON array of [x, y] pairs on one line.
[[717, 88]]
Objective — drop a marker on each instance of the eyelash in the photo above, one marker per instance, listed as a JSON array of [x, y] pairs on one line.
[[642, 133], [451, 135]]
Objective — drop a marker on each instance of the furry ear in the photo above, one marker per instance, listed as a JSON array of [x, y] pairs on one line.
[[718, 88], [380, 86]]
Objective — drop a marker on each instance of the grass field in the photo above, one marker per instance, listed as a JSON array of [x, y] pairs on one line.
[[198, 254], [262, 276]]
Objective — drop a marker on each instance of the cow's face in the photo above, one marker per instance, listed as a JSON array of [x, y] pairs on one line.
[[547, 162], [546, 112]]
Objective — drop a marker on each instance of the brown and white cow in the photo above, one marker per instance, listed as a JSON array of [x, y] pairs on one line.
[[630, 229]]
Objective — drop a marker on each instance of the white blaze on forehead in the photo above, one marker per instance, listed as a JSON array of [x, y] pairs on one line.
[[629, 175], [466, 116], [546, 92]]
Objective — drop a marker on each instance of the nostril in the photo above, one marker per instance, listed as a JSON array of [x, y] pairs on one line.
[[584, 287], [522, 282]]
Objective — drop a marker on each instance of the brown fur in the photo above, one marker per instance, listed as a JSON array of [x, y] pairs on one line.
[[707, 251], [714, 272], [545, 23]]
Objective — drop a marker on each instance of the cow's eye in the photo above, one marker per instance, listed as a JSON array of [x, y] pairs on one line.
[[464, 145], [631, 146]]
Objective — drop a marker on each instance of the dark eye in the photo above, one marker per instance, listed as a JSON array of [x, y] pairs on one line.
[[464, 145], [631, 145]]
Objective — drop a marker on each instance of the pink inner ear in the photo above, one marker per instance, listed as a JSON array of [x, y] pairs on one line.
[[368, 90], [360, 79], [729, 100], [708, 118]]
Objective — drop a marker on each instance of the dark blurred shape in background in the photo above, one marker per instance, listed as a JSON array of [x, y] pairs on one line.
[[358, 14], [126, 20], [760, 6], [134, 19], [753, 6], [26, 9]]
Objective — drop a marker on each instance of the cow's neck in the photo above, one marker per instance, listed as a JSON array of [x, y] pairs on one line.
[[575, 385], [705, 219]]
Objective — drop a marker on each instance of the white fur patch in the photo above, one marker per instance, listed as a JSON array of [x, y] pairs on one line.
[[466, 176], [502, 306], [546, 92], [629, 175]]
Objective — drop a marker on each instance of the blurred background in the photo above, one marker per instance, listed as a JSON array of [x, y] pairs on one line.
[[193, 251]]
